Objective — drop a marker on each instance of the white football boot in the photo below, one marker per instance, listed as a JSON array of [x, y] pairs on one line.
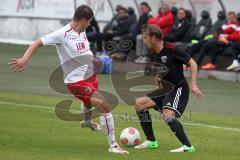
[[118, 150], [184, 148]]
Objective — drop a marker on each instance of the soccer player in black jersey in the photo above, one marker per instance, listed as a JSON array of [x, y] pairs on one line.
[[169, 59]]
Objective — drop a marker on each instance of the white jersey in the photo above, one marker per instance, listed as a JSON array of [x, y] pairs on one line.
[[74, 52]]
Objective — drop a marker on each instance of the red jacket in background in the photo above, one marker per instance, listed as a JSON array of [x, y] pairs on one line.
[[164, 21], [229, 28], [235, 36]]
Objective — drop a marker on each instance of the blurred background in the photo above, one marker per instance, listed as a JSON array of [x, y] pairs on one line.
[[26, 20]]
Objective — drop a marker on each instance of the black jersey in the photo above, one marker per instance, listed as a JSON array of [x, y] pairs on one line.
[[169, 64]]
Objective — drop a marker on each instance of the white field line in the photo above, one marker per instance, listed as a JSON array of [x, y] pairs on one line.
[[186, 123], [211, 126]]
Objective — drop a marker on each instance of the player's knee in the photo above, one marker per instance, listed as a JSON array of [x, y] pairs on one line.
[[168, 118], [167, 115], [103, 106], [138, 103]]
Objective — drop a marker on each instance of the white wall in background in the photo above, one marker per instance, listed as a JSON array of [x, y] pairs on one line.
[[23, 20]]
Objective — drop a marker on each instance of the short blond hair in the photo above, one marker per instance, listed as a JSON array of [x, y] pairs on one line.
[[153, 30]]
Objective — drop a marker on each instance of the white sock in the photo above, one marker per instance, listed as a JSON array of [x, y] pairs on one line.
[[86, 113], [107, 124]]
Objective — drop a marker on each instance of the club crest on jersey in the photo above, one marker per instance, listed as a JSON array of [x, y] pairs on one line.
[[164, 59], [88, 90]]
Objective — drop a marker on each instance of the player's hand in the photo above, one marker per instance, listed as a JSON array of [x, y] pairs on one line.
[[17, 64], [223, 40], [196, 91], [97, 65]]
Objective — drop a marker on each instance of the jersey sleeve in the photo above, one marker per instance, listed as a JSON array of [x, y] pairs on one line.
[[56, 37], [181, 55]]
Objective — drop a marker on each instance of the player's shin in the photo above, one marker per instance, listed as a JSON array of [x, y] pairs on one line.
[[178, 130], [107, 124], [86, 113], [146, 124]]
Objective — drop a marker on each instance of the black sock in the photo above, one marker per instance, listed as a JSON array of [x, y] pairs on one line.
[[177, 128], [146, 123]]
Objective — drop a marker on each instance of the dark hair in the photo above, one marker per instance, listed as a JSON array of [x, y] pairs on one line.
[[153, 30], [123, 9], [146, 4], [130, 10], [83, 12], [181, 8]]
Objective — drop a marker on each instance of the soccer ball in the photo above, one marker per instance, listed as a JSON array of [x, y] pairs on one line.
[[130, 137]]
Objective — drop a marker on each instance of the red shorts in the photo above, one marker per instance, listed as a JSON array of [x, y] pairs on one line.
[[83, 90]]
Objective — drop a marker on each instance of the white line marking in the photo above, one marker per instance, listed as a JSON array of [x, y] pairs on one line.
[[211, 126], [27, 105], [186, 123]]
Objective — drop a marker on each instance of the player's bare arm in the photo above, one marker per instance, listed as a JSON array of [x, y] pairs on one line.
[[194, 88], [21, 63]]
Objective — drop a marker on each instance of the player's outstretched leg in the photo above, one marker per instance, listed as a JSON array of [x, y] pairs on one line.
[[88, 122], [106, 121], [177, 128], [146, 123]]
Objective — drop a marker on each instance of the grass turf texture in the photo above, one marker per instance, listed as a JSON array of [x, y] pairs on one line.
[[29, 128]]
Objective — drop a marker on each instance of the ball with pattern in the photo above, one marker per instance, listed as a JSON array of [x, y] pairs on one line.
[[130, 137]]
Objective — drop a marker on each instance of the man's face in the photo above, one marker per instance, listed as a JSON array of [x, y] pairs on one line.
[[164, 9], [181, 14], [143, 9], [231, 18], [147, 39], [122, 13]]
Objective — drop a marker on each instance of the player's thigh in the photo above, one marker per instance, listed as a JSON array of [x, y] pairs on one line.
[[176, 100], [144, 103]]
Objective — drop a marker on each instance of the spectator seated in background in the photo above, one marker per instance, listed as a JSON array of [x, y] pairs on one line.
[[93, 34], [141, 48], [192, 21], [119, 27], [164, 19], [132, 18], [113, 20], [131, 15], [145, 14], [213, 33], [202, 27], [217, 46], [235, 48], [180, 27]]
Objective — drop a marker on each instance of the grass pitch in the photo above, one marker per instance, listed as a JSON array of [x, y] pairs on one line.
[[29, 128]]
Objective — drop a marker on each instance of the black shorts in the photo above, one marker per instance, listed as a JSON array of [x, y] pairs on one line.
[[175, 100]]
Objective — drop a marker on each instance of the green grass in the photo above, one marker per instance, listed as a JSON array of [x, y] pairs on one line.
[[29, 128], [36, 133]]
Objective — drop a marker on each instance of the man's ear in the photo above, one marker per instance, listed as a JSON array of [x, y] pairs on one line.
[[83, 20]]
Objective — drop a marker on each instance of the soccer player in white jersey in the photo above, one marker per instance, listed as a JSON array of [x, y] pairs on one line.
[[77, 64]]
